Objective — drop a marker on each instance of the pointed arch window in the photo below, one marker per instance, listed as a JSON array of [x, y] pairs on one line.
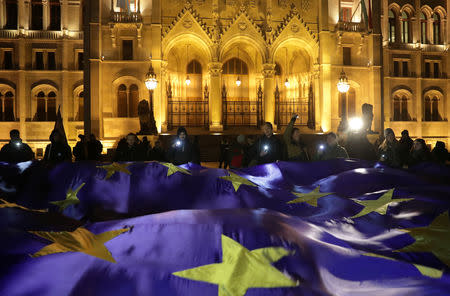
[[423, 28], [400, 105], [406, 26], [235, 66], [194, 89], [194, 67], [51, 106], [55, 15], [404, 106], [392, 26], [37, 12], [436, 28], [127, 101], [11, 14], [431, 109]]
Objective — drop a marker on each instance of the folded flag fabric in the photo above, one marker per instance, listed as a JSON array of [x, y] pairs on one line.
[[325, 228]]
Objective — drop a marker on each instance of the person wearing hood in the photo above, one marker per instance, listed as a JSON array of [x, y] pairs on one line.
[[58, 150], [16, 151], [440, 153], [181, 150], [404, 146]]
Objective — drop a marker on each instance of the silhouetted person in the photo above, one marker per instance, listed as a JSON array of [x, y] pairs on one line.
[[224, 156], [158, 153], [145, 147], [388, 152], [16, 151], [419, 153], [128, 149], [80, 151], [296, 149], [268, 148], [358, 146], [440, 153], [94, 147], [237, 152], [332, 149], [404, 147], [58, 150], [196, 151], [180, 151]]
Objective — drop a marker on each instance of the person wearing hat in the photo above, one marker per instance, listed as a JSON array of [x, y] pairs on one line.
[[181, 150]]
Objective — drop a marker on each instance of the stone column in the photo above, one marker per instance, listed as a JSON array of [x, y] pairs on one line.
[[269, 95], [45, 14], [24, 14], [215, 97], [164, 83], [64, 15], [2, 14]]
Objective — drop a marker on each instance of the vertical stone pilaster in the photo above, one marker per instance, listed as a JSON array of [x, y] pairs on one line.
[[269, 96], [215, 97]]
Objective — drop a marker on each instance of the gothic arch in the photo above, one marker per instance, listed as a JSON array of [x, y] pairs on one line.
[[128, 81]]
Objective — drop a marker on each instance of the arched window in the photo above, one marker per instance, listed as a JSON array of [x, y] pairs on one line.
[[55, 15], [36, 15], [404, 105], [435, 116], [392, 26], [133, 101], [423, 28], [347, 104], [45, 106], [194, 89], [51, 106], [277, 69], [11, 14], [405, 21], [7, 106], [400, 104], [427, 115], [194, 67], [436, 28], [80, 115], [235, 66], [431, 109], [397, 109], [122, 106], [41, 107]]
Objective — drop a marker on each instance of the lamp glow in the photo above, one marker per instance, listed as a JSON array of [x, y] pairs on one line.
[[188, 80], [355, 124], [286, 83], [343, 85], [150, 81], [238, 81]]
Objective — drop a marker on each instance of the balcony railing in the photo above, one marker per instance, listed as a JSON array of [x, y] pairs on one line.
[[350, 27], [126, 17], [9, 34], [38, 34]]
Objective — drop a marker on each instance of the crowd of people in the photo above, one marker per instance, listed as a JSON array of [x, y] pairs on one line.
[[243, 152]]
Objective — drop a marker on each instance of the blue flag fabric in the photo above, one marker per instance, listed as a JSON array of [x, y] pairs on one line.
[[340, 241]]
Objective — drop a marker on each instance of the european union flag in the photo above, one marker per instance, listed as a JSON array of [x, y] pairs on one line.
[[340, 227]]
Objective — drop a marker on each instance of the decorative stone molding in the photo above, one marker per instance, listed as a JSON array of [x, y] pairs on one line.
[[187, 23], [268, 70], [295, 28], [215, 69]]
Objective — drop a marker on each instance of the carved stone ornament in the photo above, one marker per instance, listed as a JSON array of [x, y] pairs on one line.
[[242, 26], [215, 69], [295, 28], [306, 5], [187, 23]]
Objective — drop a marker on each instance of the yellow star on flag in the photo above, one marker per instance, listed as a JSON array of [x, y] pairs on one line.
[[237, 181], [71, 198], [172, 169], [434, 238], [242, 269], [111, 169], [80, 240], [378, 205], [6, 204], [424, 270], [310, 198]]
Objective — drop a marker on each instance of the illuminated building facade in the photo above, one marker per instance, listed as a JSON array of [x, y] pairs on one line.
[[221, 65]]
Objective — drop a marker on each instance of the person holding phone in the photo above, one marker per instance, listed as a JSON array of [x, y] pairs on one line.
[[16, 151], [268, 147]]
